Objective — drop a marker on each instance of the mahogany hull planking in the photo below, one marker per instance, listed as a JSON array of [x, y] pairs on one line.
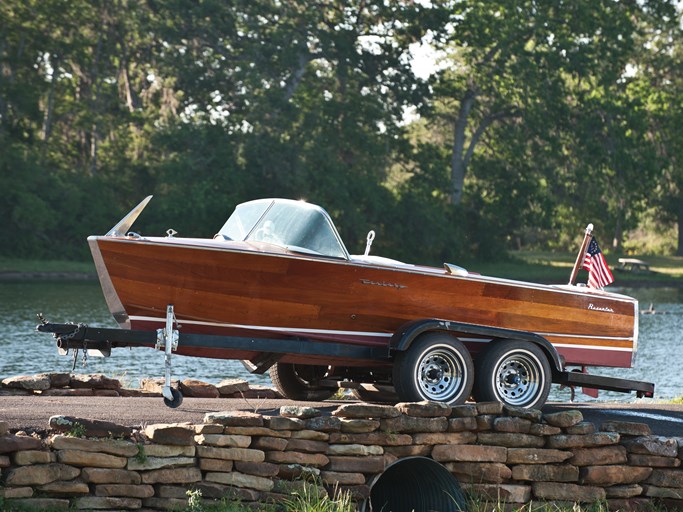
[[252, 289]]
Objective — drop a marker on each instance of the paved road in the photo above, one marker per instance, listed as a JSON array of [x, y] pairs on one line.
[[664, 419], [32, 413]]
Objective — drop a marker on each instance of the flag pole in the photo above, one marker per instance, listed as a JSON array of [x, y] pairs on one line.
[[582, 253]]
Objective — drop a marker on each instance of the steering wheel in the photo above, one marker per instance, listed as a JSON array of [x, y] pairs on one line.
[[264, 235]]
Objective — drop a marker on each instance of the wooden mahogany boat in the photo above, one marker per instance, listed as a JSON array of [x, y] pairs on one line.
[[278, 271]]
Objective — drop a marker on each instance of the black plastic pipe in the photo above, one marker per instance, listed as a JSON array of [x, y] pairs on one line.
[[416, 484]]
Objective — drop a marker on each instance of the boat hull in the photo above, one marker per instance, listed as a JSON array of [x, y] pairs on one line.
[[235, 288]]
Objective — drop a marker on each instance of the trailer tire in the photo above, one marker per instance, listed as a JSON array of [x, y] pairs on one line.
[[437, 367], [299, 381], [516, 373]]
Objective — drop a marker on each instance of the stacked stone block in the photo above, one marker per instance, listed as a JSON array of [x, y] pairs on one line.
[[66, 384], [497, 453]]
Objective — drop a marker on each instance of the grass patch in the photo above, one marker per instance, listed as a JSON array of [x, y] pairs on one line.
[[313, 498], [484, 506], [77, 430], [551, 267], [534, 266], [312, 502], [33, 266]]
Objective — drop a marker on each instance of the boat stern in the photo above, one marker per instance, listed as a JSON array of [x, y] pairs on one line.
[[636, 325]]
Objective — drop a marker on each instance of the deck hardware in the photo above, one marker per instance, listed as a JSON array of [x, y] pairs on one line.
[[368, 243]]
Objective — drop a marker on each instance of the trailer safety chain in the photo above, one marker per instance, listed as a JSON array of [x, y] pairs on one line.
[[71, 335], [84, 359], [75, 358]]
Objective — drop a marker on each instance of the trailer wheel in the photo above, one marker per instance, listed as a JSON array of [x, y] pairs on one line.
[[176, 401], [300, 381], [513, 372], [437, 367]]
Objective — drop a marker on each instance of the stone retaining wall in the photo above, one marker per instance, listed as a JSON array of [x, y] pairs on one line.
[[67, 384], [506, 454]]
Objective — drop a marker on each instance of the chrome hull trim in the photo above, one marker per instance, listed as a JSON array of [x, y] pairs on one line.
[[110, 296], [363, 335]]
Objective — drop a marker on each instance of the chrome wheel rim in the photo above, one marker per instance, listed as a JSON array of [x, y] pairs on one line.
[[519, 379], [440, 375]]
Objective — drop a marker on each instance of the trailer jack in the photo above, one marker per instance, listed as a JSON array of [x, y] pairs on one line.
[[167, 340]]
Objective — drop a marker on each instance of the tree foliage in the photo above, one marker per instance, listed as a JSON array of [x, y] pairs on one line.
[[540, 117]]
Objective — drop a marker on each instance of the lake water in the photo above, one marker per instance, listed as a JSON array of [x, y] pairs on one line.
[[23, 351]]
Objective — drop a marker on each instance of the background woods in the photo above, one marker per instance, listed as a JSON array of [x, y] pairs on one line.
[[525, 120]]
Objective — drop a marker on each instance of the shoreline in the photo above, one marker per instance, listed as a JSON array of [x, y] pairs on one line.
[[14, 276]]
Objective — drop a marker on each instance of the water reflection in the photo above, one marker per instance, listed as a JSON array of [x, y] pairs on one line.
[[658, 358], [24, 351]]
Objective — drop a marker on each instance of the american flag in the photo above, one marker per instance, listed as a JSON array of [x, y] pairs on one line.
[[599, 274]]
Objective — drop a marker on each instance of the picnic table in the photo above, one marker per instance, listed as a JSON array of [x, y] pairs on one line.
[[634, 266]]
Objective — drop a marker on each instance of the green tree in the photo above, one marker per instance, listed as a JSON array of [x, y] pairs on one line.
[[659, 84], [311, 99], [532, 122], [542, 89]]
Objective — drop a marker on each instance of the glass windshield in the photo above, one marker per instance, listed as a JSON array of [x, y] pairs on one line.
[[243, 220], [299, 226]]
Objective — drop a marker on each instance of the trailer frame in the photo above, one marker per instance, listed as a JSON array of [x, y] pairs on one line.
[[72, 336]]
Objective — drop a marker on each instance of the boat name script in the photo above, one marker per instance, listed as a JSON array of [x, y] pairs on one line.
[[598, 308], [382, 283]]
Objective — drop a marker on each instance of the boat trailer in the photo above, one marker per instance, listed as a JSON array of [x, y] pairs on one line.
[[99, 341]]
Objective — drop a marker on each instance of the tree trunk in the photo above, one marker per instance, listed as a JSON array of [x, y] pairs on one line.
[[95, 93], [679, 252], [131, 98], [458, 164], [49, 109], [5, 71], [297, 75], [93, 150], [618, 235]]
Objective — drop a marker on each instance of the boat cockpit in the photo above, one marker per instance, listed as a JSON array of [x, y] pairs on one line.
[[302, 228]]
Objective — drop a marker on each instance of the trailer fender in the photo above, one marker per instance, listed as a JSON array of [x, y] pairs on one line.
[[404, 337]]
